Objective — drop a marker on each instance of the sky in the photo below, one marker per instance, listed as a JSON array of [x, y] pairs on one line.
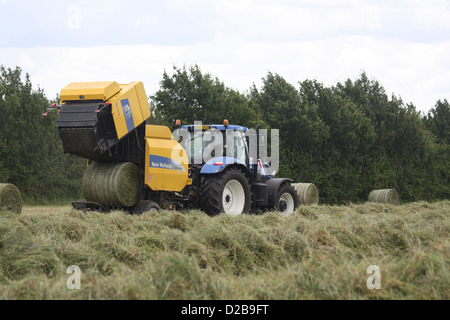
[[404, 44]]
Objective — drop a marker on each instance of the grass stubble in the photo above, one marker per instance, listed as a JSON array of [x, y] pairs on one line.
[[320, 252]]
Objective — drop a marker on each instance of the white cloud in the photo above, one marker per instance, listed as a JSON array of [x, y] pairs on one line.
[[419, 73], [146, 21], [403, 44]]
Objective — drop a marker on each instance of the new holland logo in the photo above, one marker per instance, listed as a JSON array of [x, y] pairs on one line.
[[127, 114], [165, 163]]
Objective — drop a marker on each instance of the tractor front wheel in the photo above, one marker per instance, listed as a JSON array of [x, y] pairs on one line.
[[227, 192]]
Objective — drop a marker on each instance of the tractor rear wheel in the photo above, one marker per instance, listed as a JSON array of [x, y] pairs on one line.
[[287, 200], [227, 192]]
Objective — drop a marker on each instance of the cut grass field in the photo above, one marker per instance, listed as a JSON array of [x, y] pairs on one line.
[[320, 252]]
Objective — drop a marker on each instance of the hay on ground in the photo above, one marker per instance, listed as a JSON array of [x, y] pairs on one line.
[[10, 198]]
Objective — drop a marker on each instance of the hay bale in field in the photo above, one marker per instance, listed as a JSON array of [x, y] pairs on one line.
[[112, 184], [388, 196], [10, 198], [308, 194]]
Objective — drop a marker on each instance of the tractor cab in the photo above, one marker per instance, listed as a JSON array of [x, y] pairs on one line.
[[217, 146], [216, 141]]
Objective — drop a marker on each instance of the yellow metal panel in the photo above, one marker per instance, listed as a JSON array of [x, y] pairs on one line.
[[78, 91], [143, 101], [129, 102], [119, 118], [129, 107], [129, 96], [158, 132], [166, 161]]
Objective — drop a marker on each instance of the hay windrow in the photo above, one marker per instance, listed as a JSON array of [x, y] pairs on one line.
[[112, 184], [387, 196], [308, 194], [10, 198], [319, 252]]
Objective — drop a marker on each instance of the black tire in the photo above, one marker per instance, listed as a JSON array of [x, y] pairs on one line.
[[145, 206], [220, 190], [286, 200], [86, 206]]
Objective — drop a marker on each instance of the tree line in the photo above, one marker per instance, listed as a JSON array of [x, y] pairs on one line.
[[348, 139], [31, 153]]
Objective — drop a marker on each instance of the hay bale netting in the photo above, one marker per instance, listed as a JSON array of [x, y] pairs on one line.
[[308, 194], [388, 196], [10, 198], [114, 185]]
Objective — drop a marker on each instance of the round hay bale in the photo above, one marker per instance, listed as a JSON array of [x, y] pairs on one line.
[[10, 198], [308, 194], [86, 184], [114, 185], [387, 196]]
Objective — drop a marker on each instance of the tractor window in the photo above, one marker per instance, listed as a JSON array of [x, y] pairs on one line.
[[196, 154], [237, 147], [197, 146]]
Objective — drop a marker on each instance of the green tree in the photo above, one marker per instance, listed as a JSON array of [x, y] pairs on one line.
[[31, 155], [190, 95], [404, 155], [348, 139], [352, 138], [438, 121], [302, 132]]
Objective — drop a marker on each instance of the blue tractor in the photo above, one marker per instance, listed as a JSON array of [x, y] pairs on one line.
[[225, 178]]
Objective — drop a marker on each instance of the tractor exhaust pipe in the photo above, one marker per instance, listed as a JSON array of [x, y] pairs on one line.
[[255, 165]]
